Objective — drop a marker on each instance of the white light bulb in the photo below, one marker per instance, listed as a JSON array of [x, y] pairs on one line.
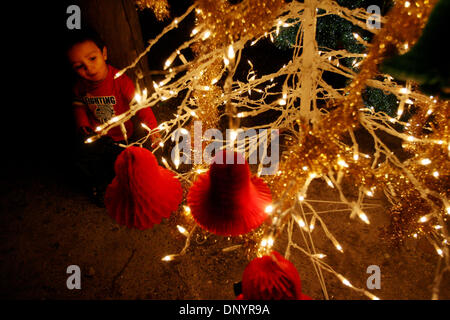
[[169, 257], [230, 52], [346, 282], [364, 218], [342, 163], [233, 135], [182, 230], [404, 90], [269, 209], [206, 35], [118, 74]]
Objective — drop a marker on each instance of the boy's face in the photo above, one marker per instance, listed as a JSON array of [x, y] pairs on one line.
[[88, 61]]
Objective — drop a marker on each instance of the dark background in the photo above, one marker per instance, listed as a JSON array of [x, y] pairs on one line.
[[38, 122]]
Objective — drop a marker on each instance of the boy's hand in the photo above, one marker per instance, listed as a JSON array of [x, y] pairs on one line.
[[156, 139], [86, 131]]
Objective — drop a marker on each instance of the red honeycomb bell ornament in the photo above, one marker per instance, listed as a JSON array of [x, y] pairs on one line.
[[227, 200], [271, 277], [142, 193]]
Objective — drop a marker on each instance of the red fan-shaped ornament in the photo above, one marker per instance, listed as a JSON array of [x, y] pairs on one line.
[[142, 192], [271, 277], [226, 200]]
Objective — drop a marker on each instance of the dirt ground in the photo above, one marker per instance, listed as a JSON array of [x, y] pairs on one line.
[[47, 225]]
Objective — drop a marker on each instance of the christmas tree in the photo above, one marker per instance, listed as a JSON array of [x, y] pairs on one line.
[[319, 100]]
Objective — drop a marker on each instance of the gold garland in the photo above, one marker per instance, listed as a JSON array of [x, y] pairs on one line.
[[159, 7]]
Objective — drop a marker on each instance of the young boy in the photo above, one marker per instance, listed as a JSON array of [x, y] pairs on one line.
[[97, 98]]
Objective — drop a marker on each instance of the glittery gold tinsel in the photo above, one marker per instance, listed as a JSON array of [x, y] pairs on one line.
[[404, 24], [228, 23], [159, 7], [310, 157], [393, 38], [207, 111], [430, 167], [411, 206]]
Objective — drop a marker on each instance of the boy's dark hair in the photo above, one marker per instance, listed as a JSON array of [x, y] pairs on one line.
[[80, 35]]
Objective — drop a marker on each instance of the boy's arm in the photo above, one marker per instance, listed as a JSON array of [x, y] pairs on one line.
[[81, 118], [146, 115]]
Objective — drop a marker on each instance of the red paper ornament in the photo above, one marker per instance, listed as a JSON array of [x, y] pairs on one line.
[[226, 200], [142, 192], [271, 277]]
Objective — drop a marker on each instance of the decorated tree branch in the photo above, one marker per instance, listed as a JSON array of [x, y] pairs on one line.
[[319, 123]]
